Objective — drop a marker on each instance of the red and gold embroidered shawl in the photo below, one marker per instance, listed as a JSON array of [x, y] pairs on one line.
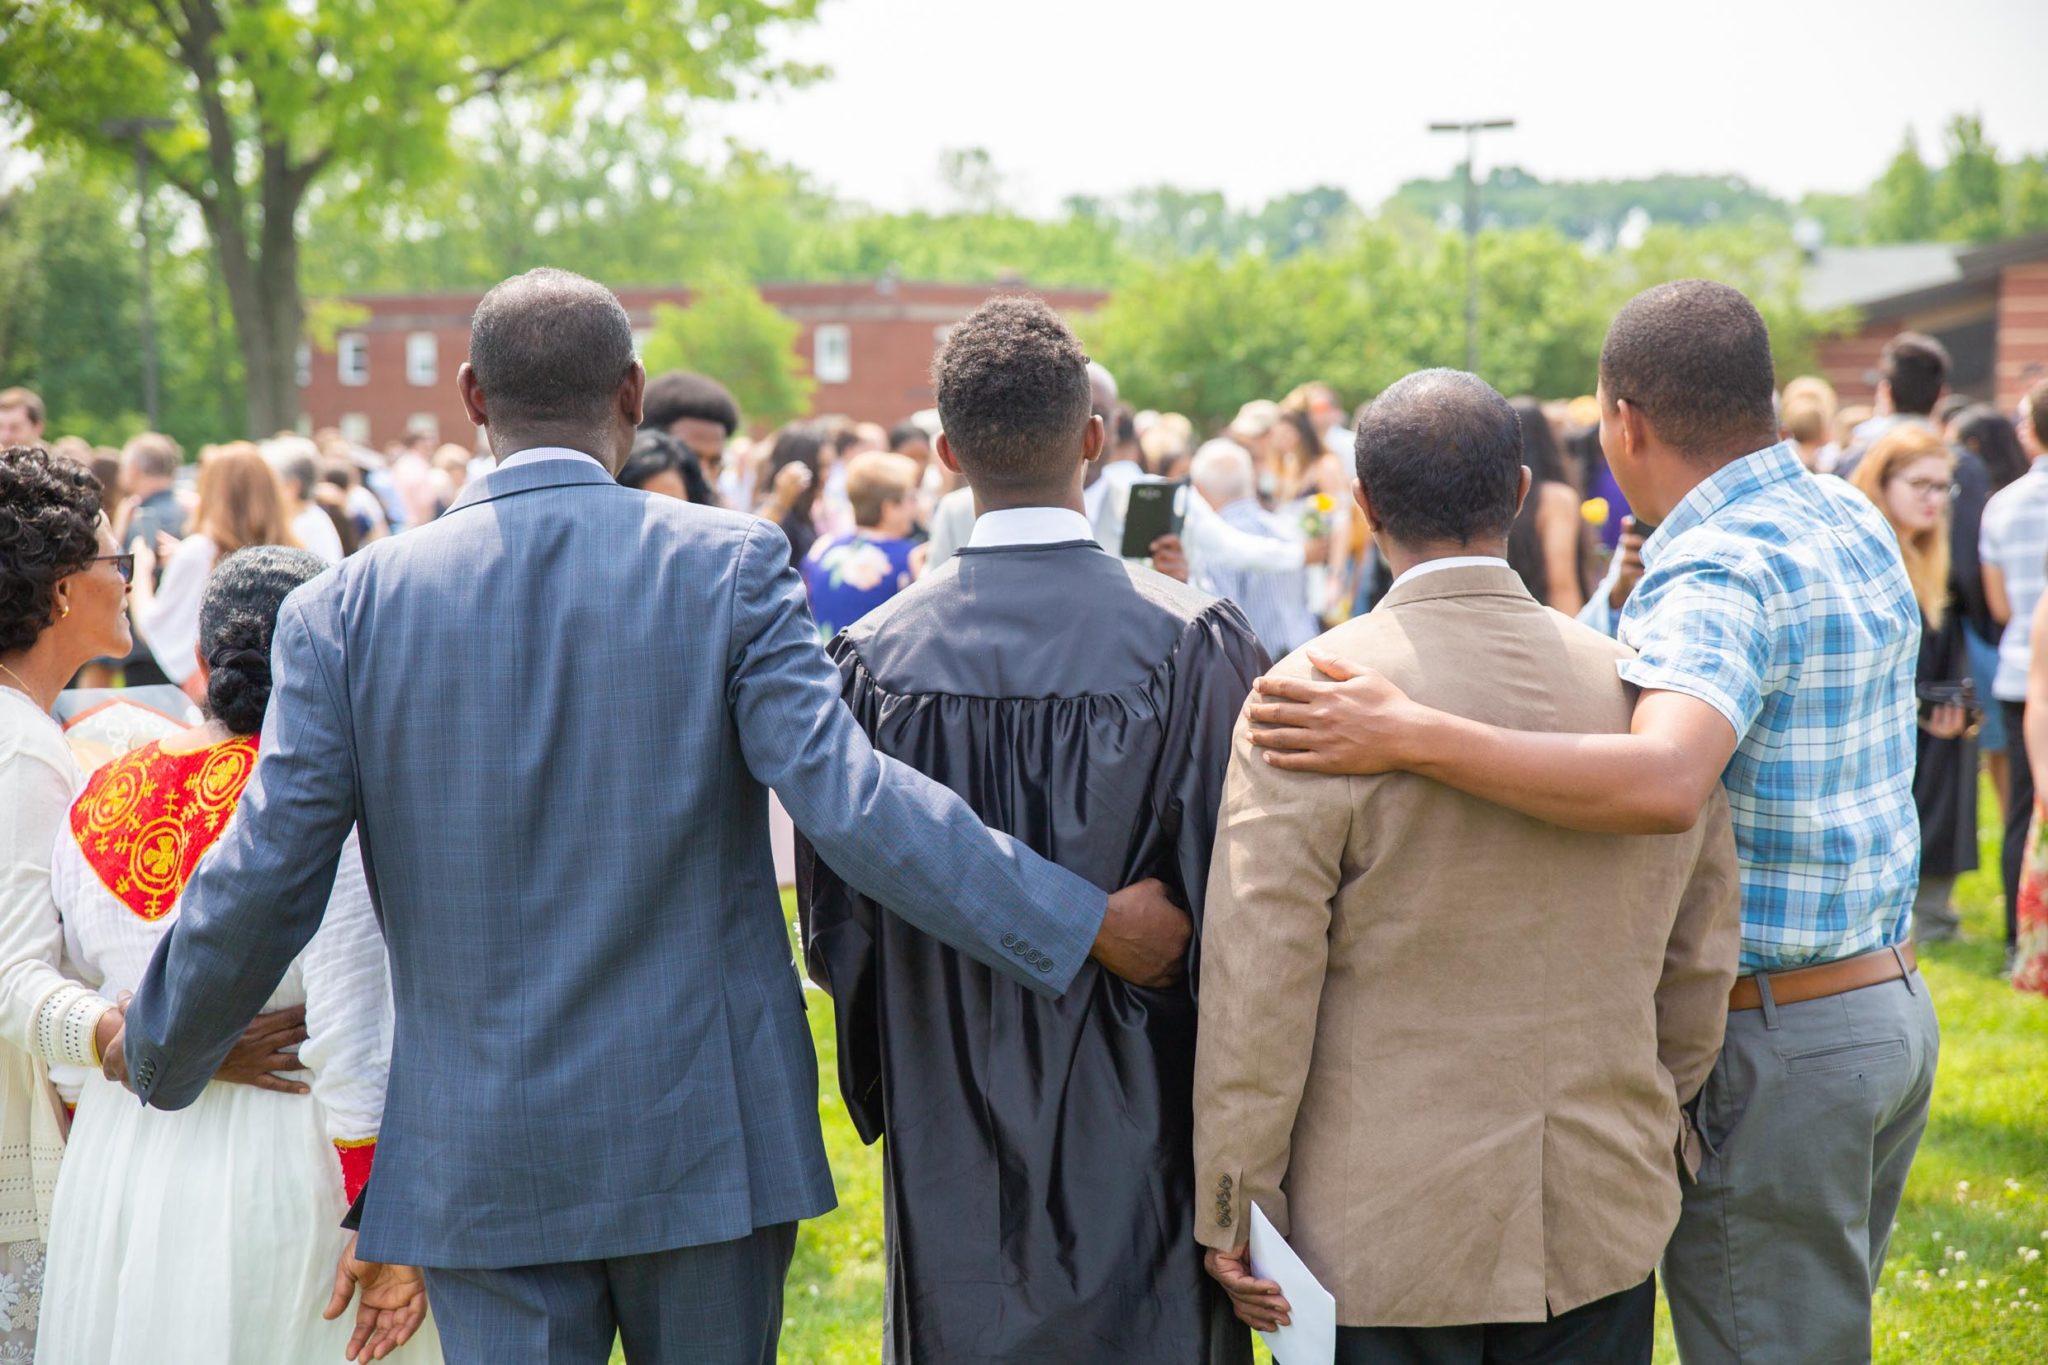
[[143, 823], [145, 819]]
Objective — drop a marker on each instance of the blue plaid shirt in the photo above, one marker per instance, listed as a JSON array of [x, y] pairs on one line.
[[1778, 598]]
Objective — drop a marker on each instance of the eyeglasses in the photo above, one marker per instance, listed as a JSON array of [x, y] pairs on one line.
[[124, 565], [1930, 488]]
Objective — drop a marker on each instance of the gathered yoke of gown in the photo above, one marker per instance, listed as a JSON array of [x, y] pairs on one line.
[[1038, 1167]]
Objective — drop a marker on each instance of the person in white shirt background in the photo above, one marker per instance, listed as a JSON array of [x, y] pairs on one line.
[[297, 462]]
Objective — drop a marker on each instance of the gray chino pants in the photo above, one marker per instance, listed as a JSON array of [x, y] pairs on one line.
[[1809, 1120]]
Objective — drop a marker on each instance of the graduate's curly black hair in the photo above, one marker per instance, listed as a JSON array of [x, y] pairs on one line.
[[49, 529], [1012, 387]]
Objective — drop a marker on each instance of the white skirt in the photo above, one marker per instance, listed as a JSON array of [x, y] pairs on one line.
[[207, 1236]]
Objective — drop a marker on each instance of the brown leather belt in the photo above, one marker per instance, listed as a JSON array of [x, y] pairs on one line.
[[1829, 978]]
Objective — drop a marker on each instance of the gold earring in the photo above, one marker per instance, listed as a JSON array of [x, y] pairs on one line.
[[64, 612]]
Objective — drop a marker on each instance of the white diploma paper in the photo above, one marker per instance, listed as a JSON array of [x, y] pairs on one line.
[[1311, 1336]]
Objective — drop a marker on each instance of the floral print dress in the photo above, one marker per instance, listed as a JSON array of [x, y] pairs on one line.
[[2030, 967]]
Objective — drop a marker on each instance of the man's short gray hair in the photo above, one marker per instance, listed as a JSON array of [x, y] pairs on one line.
[[152, 455], [297, 462], [1223, 468]]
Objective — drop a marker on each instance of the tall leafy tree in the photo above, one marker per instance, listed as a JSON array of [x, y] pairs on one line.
[[1902, 201], [265, 99], [1969, 195], [731, 332]]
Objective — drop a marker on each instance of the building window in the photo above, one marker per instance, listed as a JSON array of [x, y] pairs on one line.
[[302, 364], [422, 359], [423, 424], [641, 336], [355, 428], [940, 333], [352, 359], [832, 354]]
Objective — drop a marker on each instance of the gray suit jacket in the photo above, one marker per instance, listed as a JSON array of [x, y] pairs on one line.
[[555, 714]]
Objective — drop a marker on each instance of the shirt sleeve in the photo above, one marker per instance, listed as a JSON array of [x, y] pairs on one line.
[[349, 1019], [1987, 533], [1700, 627], [1217, 544], [172, 627], [1599, 613]]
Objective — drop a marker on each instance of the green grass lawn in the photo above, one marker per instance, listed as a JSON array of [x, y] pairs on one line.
[[1964, 1282]]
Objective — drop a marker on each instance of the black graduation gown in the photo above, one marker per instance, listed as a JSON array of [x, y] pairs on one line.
[[1038, 1171]]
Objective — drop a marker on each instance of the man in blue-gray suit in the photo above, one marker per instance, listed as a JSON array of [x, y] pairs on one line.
[[554, 715]]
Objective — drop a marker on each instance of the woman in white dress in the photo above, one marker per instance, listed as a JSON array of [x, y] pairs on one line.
[[212, 1234], [61, 591]]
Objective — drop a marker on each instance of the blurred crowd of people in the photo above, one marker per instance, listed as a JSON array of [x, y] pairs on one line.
[[1264, 517]]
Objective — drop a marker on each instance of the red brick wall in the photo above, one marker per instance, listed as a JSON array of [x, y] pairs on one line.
[[892, 328], [1845, 361], [2022, 330]]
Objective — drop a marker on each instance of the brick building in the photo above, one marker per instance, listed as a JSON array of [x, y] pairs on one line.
[[867, 343], [1987, 304]]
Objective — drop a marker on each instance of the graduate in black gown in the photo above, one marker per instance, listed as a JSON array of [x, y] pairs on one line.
[[1039, 1190]]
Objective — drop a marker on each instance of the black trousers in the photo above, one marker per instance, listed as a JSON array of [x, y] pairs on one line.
[[1617, 1330], [2017, 812]]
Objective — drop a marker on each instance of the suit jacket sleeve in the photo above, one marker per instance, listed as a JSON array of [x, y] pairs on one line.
[[892, 833], [1265, 948], [1700, 964], [259, 895]]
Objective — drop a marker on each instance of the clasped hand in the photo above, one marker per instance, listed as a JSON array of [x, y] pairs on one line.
[[1258, 1303], [265, 1048], [1144, 935]]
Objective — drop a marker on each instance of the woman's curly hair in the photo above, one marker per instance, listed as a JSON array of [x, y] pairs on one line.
[[49, 529]]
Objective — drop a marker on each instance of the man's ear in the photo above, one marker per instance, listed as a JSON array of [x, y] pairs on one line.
[[1522, 494], [1364, 501], [632, 392], [944, 450], [1094, 438], [472, 396], [1635, 431]]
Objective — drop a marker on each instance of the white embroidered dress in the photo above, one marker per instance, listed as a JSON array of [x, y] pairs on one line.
[[210, 1234]]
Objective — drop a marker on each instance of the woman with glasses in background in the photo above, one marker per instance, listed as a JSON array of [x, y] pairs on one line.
[[1909, 474]]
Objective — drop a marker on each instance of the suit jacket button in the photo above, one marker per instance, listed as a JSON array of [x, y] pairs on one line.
[[1044, 963], [1009, 940]]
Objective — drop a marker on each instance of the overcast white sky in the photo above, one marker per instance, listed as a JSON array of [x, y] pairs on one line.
[[1257, 97]]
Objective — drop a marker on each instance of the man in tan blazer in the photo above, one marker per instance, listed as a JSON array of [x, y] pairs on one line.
[[1445, 1047]]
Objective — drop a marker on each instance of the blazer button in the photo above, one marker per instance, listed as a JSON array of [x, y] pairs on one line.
[[1021, 949], [1044, 963], [1009, 940]]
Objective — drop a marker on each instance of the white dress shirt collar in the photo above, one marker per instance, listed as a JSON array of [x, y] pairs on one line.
[[1429, 566], [535, 454], [1028, 526]]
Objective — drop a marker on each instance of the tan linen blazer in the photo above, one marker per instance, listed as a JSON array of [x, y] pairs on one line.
[[1443, 1045]]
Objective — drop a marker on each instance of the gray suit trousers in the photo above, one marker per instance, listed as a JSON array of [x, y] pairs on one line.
[[719, 1304], [1809, 1121]]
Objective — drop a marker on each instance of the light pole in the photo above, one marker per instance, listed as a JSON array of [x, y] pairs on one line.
[[1472, 128], [136, 130]]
